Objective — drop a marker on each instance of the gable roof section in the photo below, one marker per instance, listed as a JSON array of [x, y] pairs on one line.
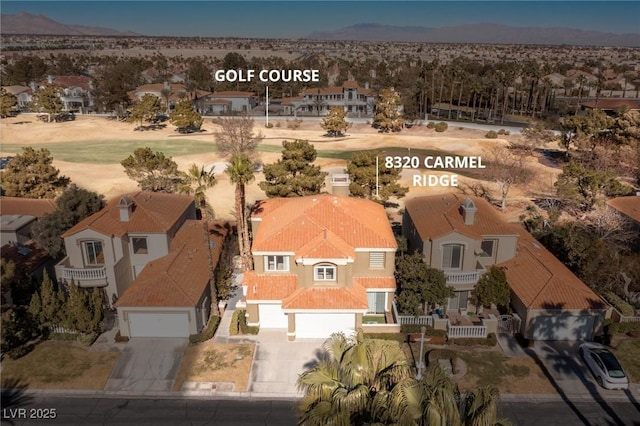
[[26, 206], [629, 206], [153, 212], [438, 215], [321, 226], [376, 282], [181, 277], [333, 298], [541, 281]]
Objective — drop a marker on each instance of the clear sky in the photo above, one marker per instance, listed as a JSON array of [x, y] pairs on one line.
[[293, 19]]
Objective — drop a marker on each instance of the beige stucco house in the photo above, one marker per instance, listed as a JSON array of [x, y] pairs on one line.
[[354, 99], [148, 252], [321, 263], [464, 236]]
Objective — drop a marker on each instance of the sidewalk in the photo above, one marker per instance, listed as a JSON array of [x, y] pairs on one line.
[[222, 333]]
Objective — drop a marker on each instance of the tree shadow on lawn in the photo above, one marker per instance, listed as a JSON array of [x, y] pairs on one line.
[[13, 396]]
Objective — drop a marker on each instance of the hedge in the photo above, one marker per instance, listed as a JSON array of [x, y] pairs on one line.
[[207, 333], [244, 328], [234, 327], [621, 305], [415, 328], [398, 337], [491, 340], [624, 327]]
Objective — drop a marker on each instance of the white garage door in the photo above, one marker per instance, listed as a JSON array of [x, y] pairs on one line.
[[271, 316], [563, 327], [323, 325], [159, 324]]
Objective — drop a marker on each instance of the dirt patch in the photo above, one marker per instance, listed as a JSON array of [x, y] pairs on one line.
[[217, 362]]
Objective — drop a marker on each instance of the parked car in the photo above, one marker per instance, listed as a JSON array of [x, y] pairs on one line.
[[604, 365]]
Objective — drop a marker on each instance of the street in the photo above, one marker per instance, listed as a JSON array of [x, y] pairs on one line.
[[119, 411]]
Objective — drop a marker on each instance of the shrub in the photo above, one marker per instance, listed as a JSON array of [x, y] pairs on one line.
[[268, 125], [120, 338], [398, 337], [86, 339], [441, 127], [625, 327], [63, 336], [491, 134], [244, 328], [294, 124], [503, 132], [234, 326], [435, 354], [207, 333], [431, 125], [621, 305]]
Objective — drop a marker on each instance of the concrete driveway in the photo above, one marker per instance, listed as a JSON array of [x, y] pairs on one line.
[[278, 363], [147, 364], [568, 372]]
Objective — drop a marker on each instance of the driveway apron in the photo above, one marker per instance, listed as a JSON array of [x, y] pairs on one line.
[[147, 364]]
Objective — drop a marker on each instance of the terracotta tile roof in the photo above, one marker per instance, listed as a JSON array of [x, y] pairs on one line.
[[612, 104], [321, 224], [26, 206], [541, 281], [438, 215], [269, 287], [153, 212], [181, 277], [629, 206], [350, 84], [323, 91], [375, 282], [327, 298]]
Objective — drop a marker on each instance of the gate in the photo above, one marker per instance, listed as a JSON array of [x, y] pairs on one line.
[[508, 324]]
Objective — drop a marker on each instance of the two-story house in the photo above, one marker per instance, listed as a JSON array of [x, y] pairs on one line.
[[321, 263], [354, 99], [226, 102], [76, 91], [152, 257], [464, 236]]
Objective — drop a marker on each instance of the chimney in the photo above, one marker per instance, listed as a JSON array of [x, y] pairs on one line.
[[125, 206], [469, 210]]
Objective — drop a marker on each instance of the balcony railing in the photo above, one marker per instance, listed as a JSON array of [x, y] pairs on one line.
[[85, 274], [463, 277]]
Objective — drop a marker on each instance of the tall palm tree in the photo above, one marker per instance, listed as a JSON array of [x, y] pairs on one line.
[[196, 182], [351, 384], [240, 171]]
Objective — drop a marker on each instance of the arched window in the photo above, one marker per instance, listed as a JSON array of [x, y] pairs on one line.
[[324, 272]]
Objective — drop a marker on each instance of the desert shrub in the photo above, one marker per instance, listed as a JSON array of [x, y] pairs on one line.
[[491, 134], [120, 338], [208, 331], [441, 127], [431, 125], [621, 305], [294, 124]]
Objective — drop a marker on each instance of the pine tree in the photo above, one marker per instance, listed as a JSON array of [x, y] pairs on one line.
[[362, 173], [31, 174], [50, 302], [48, 100], [388, 116], [334, 122], [294, 175], [185, 118], [35, 308]]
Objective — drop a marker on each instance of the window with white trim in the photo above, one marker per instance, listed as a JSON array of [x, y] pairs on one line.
[[93, 253], [452, 256], [324, 272], [376, 259], [139, 245], [276, 263]]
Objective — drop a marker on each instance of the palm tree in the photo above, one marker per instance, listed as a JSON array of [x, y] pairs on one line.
[[240, 171], [352, 384], [196, 182]]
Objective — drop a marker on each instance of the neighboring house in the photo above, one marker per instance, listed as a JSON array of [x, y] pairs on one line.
[[321, 263], [23, 95], [226, 102], [628, 206], [173, 92], [172, 296], [110, 248], [465, 236], [610, 106], [76, 91], [354, 99], [18, 216]]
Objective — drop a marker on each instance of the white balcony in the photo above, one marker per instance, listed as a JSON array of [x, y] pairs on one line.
[[86, 277], [463, 277]]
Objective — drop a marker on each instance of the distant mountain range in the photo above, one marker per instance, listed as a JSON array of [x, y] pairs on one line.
[[26, 23], [478, 33]]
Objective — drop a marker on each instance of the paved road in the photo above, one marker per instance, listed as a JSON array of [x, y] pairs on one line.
[[224, 412]]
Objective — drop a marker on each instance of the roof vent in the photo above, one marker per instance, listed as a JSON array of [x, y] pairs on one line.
[[469, 210]]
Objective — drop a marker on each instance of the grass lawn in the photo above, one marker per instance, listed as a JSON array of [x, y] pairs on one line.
[[628, 353], [377, 319], [60, 365], [216, 362]]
